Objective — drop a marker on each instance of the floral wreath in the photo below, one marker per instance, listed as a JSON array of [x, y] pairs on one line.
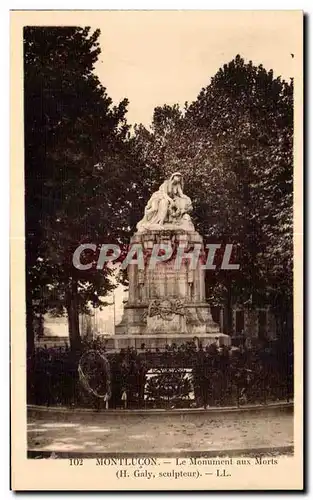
[[84, 379]]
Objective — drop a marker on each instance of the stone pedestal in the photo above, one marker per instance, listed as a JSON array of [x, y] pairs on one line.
[[155, 341], [167, 301]]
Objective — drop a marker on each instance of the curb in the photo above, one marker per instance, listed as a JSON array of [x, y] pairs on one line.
[[252, 452], [183, 411]]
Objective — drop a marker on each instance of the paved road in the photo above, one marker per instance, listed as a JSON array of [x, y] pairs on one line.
[[159, 433]]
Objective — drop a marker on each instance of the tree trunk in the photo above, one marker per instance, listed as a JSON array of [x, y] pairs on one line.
[[73, 317], [41, 326]]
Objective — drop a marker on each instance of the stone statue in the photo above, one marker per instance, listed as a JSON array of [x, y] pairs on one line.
[[168, 207]]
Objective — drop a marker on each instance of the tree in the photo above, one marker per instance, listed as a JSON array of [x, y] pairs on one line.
[[80, 179], [250, 113]]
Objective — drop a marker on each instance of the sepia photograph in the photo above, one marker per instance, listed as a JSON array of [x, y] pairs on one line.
[[157, 219]]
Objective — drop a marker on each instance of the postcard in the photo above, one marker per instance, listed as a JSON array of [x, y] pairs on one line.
[[156, 250]]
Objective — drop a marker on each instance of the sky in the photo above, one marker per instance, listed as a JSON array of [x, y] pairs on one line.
[[156, 58]]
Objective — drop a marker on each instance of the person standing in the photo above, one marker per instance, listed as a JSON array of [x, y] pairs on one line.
[[124, 398], [106, 401]]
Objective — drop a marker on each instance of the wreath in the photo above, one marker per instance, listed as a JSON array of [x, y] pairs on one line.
[[168, 384], [94, 374]]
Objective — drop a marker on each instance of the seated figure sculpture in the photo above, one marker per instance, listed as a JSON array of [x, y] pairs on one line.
[[168, 207]]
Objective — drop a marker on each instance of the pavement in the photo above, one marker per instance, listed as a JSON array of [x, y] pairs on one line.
[[63, 432]]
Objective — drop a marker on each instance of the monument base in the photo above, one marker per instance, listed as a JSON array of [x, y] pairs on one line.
[[153, 342]]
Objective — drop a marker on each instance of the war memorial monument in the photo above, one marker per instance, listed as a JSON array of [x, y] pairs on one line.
[[166, 302]]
